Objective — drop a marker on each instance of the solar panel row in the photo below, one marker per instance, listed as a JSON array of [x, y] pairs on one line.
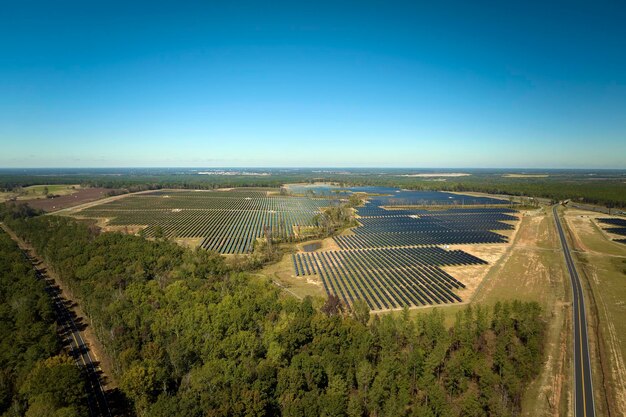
[[305, 263], [390, 260], [381, 240], [381, 285], [613, 221]]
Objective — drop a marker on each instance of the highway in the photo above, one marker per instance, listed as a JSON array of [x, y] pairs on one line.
[[583, 387], [71, 335]]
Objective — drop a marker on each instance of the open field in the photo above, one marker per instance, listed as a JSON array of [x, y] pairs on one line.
[[532, 269], [60, 189], [59, 197], [81, 196], [39, 191], [227, 221], [603, 262], [525, 175]]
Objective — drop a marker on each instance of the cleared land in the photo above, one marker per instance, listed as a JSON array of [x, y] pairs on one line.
[[532, 269], [603, 262], [525, 175], [76, 197], [39, 191]]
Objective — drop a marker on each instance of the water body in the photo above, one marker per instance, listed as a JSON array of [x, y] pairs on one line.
[[311, 247], [388, 196]]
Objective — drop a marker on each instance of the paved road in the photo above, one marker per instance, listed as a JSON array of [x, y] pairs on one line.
[[583, 388], [72, 336]]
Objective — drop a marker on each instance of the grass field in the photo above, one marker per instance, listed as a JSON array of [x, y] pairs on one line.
[[38, 191], [58, 189], [533, 270], [603, 263]]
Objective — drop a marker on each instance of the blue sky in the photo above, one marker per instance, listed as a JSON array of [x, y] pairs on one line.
[[492, 84]]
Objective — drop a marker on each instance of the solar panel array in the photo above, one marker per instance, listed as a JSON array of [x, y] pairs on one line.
[[387, 278], [398, 197], [390, 261], [618, 227], [382, 227], [613, 221], [227, 221]]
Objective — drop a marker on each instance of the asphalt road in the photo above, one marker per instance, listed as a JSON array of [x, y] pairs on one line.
[[71, 334], [583, 388]]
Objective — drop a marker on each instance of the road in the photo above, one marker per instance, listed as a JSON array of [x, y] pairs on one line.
[[598, 209], [583, 387], [71, 334]]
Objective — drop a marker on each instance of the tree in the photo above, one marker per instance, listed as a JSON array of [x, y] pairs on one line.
[[54, 383], [361, 311], [158, 232], [139, 382], [332, 306]]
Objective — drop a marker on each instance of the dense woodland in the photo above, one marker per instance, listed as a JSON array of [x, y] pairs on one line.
[[189, 337], [601, 187], [36, 378]]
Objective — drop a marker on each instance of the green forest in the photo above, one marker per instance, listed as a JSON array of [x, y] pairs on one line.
[[189, 337], [36, 378], [604, 187]]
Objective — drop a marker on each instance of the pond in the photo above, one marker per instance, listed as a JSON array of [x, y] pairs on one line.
[[311, 247]]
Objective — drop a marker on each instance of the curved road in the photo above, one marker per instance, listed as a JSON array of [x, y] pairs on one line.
[[583, 388]]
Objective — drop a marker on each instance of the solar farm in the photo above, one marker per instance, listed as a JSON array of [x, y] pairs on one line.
[[228, 222], [394, 259], [616, 227], [397, 257], [387, 278]]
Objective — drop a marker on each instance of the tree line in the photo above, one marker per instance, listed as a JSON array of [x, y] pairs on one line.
[[605, 188], [190, 337], [37, 379]]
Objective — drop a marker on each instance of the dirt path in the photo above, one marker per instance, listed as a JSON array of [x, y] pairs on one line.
[[74, 209]]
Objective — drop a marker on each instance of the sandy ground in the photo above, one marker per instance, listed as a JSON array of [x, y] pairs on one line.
[[441, 174], [525, 175], [532, 269], [477, 194]]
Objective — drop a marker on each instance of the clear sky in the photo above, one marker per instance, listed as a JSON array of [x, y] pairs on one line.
[[312, 83]]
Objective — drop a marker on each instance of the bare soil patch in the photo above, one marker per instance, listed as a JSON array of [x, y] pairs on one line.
[[81, 196], [437, 174], [525, 175]]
